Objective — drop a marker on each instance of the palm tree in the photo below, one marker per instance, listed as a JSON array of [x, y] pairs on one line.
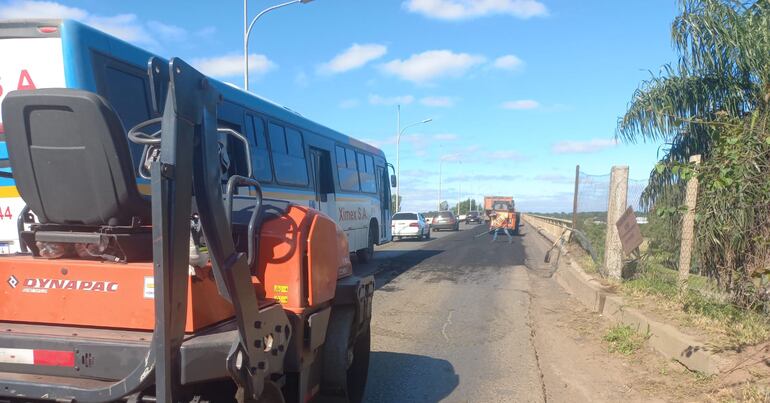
[[714, 102], [723, 70]]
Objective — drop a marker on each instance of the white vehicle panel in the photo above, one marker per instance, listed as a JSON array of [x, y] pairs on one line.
[[25, 64]]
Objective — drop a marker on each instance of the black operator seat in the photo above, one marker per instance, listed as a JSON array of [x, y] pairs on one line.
[[70, 158]]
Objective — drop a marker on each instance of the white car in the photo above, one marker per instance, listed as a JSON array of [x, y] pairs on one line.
[[461, 217], [410, 225]]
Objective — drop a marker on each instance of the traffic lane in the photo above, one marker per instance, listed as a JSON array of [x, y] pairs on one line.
[[451, 321], [384, 254]]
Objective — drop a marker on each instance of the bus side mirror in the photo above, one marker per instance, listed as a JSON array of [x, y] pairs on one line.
[[393, 181]]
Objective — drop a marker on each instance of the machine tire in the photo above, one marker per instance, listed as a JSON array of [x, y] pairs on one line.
[[366, 254], [342, 376], [517, 231]]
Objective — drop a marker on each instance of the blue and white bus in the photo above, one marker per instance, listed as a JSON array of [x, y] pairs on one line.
[[294, 158]]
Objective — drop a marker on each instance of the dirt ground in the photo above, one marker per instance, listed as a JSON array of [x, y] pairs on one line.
[[642, 376]]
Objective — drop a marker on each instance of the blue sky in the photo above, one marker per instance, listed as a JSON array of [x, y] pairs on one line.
[[519, 90]]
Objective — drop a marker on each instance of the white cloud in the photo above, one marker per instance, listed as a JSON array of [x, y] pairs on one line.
[[353, 57], [483, 178], [124, 26], [170, 33], [508, 155], [521, 104], [41, 9], [349, 103], [466, 9], [439, 102], [206, 32], [554, 178], [583, 147], [128, 27], [433, 64], [508, 62], [300, 79], [452, 157], [232, 65], [375, 99], [387, 141], [445, 137]]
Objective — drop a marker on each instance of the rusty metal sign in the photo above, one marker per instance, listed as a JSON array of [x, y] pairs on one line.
[[629, 232]]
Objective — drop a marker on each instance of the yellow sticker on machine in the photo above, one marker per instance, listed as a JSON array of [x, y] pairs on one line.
[[283, 299], [280, 288]]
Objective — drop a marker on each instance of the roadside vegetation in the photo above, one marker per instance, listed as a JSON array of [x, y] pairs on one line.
[[703, 306], [624, 339], [713, 102]]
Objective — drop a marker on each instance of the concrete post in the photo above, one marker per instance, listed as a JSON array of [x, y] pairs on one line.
[[688, 224], [613, 249]]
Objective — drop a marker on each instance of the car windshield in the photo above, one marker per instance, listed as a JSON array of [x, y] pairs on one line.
[[404, 216], [446, 214], [473, 214], [429, 215]]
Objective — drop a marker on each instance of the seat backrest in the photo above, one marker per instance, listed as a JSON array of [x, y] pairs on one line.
[[70, 158]]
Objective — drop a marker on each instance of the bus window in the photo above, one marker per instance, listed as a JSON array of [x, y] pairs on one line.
[[294, 143], [361, 162], [289, 169], [350, 155], [369, 164], [368, 183], [346, 169], [340, 152], [260, 160], [236, 152], [127, 89], [277, 139]]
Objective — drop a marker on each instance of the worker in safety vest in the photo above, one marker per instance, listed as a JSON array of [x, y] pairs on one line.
[[501, 220]]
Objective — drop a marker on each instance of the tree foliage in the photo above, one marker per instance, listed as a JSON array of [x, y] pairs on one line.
[[713, 102]]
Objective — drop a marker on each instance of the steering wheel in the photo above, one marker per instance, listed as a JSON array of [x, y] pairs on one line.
[[137, 136]]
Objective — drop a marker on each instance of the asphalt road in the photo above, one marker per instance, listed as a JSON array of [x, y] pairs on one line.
[[462, 319]]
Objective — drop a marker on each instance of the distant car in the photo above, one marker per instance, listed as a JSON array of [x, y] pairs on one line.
[[429, 216], [445, 220], [461, 217], [411, 225], [473, 216]]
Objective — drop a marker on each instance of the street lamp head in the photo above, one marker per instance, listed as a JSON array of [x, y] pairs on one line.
[[305, 1], [427, 120]]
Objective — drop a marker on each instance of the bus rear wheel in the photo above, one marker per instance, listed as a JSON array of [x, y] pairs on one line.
[[366, 254]]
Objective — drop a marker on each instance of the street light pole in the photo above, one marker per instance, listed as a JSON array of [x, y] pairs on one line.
[[398, 158], [399, 132], [440, 166], [247, 31], [459, 192]]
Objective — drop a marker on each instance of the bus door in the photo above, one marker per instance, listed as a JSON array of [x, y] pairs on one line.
[[383, 192], [323, 184]]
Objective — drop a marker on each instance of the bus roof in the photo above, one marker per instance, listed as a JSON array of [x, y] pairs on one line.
[[73, 31]]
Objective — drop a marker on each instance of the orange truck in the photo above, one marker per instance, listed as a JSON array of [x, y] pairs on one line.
[[500, 212]]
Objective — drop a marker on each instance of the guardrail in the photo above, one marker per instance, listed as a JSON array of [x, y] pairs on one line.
[[553, 227]]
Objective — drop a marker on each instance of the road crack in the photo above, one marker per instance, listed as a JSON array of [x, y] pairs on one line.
[[532, 335], [446, 323]]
